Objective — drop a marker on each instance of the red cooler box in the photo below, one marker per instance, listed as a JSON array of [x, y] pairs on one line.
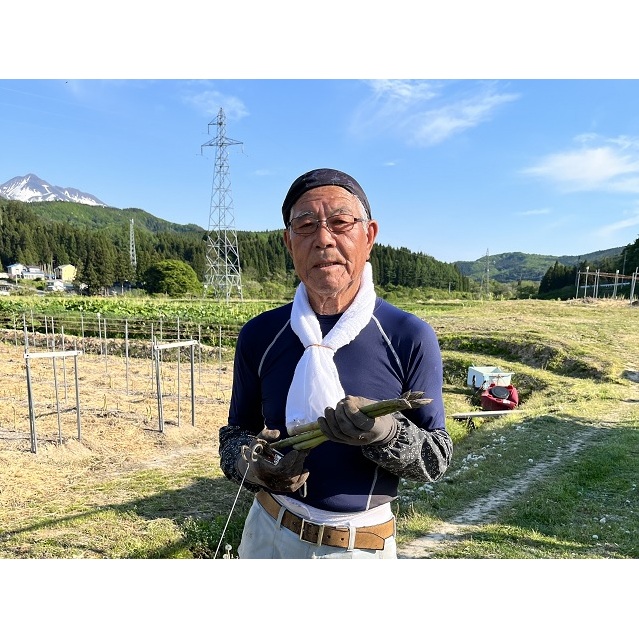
[[499, 398]]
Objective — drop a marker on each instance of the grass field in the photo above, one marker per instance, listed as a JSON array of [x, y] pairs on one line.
[[556, 481]]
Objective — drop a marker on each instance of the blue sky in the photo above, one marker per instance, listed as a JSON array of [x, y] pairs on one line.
[[454, 165]]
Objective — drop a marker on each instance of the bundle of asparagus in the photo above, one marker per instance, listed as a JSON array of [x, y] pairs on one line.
[[310, 435]]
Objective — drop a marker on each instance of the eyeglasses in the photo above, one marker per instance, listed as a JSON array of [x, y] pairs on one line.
[[337, 224]]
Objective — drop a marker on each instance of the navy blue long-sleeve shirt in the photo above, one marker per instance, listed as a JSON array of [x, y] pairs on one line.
[[395, 353]]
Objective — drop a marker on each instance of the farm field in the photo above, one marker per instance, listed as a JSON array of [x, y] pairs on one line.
[[556, 481]]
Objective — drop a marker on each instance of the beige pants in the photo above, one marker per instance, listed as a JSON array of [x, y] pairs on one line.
[[264, 538]]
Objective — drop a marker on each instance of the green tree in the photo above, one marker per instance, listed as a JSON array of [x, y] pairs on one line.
[[629, 258], [172, 277], [557, 276]]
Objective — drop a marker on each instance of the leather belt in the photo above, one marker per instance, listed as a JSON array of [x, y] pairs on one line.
[[366, 537]]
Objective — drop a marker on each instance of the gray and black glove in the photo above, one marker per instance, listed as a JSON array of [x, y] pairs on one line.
[[348, 425], [267, 468]]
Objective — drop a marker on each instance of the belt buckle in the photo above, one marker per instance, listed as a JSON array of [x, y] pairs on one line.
[[320, 532]]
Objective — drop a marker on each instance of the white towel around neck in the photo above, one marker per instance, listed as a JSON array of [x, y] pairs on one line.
[[316, 383]]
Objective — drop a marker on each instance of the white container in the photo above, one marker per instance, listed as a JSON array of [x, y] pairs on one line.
[[484, 376]]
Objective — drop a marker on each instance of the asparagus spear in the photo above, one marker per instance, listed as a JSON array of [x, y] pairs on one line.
[[309, 435]]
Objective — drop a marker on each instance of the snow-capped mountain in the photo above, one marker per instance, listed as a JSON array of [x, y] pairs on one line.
[[30, 188]]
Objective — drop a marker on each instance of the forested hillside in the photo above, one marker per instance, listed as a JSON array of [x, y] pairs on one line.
[[98, 217], [96, 241], [560, 279], [513, 267]]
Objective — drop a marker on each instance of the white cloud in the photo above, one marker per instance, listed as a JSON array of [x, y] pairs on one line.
[[534, 212], [404, 91], [610, 165], [610, 229], [434, 126], [210, 101], [427, 113]]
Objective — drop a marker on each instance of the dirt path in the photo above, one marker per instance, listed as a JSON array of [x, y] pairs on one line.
[[485, 510]]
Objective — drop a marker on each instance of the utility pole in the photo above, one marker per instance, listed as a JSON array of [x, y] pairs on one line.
[[486, 277], [134, 259], [223, 273], [487, 274]]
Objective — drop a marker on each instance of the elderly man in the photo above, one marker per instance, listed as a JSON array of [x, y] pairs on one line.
[[335, 349]]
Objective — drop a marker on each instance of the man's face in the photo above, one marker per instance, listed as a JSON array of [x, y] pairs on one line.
[[330, 264]]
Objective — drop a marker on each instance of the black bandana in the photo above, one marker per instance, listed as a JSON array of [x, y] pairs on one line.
[[322, 177]]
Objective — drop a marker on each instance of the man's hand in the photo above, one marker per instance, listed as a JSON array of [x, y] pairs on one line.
[[286, 475], [348, 425]]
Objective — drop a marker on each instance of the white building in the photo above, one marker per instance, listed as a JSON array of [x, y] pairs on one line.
[[15, 270], [26, 272], [55, 285]]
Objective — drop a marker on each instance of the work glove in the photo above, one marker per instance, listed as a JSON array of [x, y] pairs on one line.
[[348, 425], [268, 468]]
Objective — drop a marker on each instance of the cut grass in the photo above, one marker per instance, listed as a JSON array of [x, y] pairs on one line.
[[587, 508], [127, 491], [588, 394]]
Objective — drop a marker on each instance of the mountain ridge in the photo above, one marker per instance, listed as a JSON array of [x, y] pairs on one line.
[[30, 188], [66, 204], [515, 266]]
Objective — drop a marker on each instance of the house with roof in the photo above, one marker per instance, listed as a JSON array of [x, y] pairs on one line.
[[15, 270], [55, 286], [33, 273], [20, 271], [65, 272]]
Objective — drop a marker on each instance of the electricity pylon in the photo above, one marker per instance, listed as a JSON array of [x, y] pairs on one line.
[[486, 277], [134, 259], [223, 274]]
